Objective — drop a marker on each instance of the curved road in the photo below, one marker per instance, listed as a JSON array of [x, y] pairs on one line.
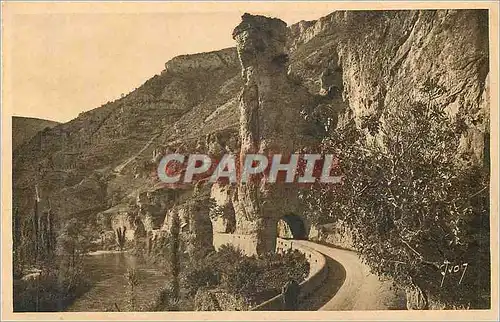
[[350, 285]]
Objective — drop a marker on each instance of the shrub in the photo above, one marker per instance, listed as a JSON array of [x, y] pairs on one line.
[[224, 255], [281, 268]]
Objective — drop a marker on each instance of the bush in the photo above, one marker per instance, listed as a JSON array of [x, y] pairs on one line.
[[224, 255], [199, 277]]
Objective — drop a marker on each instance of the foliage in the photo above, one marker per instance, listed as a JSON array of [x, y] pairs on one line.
[[16, 243], [241, 277], [275, 276], [167, 301], [62, 278], [411, 202], [199, 277], [174, 256], [226, 254], [34, 238], [249, 276]]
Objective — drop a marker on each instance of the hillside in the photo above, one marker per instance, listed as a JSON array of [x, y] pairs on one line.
[[106, 156], [102, 156]]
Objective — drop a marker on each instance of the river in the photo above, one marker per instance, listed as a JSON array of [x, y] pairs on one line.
[[110, 289]]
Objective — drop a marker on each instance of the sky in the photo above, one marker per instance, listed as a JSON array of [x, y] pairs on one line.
[[60, 59]]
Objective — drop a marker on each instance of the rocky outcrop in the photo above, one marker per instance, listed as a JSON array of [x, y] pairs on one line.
[[223, 214], [152, 206], [391, 60], [270, 123], [120, 217], [337, 234], [355, 65]]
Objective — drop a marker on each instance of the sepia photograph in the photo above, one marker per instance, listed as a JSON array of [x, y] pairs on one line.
[[214, 160]]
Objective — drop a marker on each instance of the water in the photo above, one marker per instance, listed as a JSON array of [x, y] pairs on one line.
[[110, 290]]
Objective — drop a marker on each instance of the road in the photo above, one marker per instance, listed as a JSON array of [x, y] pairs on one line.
[[350, 285]]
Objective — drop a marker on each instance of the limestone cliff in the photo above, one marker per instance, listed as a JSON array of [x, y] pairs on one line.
[[196, 231]]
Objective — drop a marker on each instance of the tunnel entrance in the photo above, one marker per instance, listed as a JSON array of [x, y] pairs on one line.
[[291, 227]]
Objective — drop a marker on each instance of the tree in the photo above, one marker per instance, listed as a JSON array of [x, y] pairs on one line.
[[34, 237]]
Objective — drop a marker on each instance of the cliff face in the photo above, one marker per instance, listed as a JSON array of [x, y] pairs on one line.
[[270, 123], [396, 60], [204, 61], [24, 128]]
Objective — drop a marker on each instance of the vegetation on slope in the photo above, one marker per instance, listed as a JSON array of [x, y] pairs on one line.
[[24, 128]]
